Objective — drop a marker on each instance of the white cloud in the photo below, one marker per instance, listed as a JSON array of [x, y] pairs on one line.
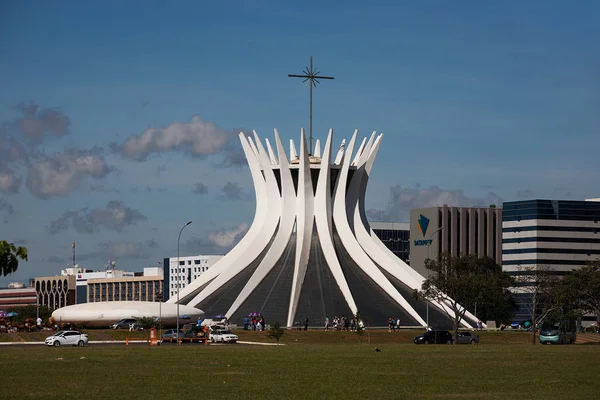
[[197, 137], [60, 174], [116, 216], [9, 182], [34, 124], [228, 238], [403, 199]]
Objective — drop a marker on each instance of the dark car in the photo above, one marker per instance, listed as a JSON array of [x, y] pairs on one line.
[[124, 323], [467, 337], [434, 337]]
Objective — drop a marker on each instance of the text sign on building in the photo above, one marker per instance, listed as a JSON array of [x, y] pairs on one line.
[[423, 242]]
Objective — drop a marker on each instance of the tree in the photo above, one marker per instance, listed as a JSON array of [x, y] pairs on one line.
[[541, 292], [459, 282], [9, 257], [146, 322], [580, 290], [276, 332]]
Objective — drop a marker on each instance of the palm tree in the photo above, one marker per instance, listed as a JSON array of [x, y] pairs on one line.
[[9, 257]]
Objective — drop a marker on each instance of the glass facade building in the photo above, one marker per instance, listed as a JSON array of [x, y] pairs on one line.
[[395, 236]]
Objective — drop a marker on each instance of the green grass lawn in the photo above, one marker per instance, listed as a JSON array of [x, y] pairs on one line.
[[301, 370]]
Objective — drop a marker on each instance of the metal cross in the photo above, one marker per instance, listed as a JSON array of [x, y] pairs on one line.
[[311, 76]]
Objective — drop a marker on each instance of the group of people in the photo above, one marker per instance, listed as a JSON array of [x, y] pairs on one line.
[[393, 324], [344, 323], [255, 323]]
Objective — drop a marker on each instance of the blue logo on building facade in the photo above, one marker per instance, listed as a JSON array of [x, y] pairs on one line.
[[423, 223]]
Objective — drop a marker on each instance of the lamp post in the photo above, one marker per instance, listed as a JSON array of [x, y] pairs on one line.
[[178, 274], [159, 297], [428, 248]]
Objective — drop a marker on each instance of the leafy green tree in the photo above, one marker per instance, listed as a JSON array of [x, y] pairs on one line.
[[146, 322], [9, 257], [580, 290], [460, 282], [276, 332]]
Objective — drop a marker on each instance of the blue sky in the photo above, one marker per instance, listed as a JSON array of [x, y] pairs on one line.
[[479, 103]]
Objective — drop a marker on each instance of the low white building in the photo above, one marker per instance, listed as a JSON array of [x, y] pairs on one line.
[[179, 276]]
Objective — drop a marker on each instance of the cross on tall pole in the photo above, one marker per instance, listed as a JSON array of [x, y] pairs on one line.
[[312, 77]]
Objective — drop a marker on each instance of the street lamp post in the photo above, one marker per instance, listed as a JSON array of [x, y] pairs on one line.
[[159, 297], [178, 274], [428, 248]]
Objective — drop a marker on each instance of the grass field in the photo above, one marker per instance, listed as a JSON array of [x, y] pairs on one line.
[[303, 368]]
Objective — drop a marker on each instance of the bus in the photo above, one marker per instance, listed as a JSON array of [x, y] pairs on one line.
[[558, 332]]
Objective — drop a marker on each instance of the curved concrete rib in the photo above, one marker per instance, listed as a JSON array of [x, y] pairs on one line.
[[318, 148], [304, 227], [385, 259], [360, 150], [272, 157], [293, 152], [323, 218], [286, 226], [340, 153], [250, 240], [259, 240], [349, 241]]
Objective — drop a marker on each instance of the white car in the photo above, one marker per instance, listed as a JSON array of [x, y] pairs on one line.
[[223, 336], [67, 338]]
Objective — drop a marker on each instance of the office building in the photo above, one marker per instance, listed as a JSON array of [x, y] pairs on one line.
[[83, 274], [144, 286], [190, 268], [561, 235], [395, 236], [455, 230]]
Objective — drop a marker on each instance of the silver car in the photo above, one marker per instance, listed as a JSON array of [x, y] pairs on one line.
[[467, 337], [67, 338]]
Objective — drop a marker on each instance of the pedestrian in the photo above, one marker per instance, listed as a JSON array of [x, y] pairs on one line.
[[306, 324]]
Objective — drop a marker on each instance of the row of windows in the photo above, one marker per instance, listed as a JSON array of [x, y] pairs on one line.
[[551, 228], [542, 261], [551, 239], [196, 262], [551, 209], [181, 270], [552, 251]]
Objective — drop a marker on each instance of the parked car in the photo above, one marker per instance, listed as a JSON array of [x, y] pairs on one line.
[[125, 323], [467, 337], [434, 337], [67, 338], [223, 336], [172, 334]]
